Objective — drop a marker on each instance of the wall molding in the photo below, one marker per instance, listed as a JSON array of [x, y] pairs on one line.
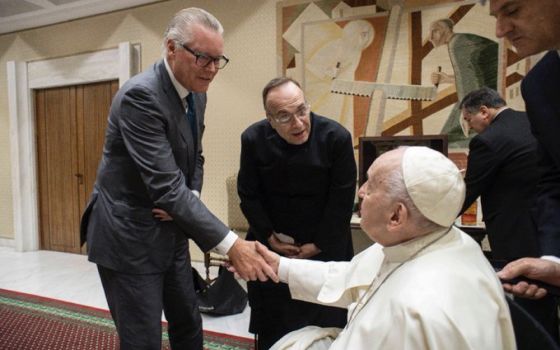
[[120, 63]]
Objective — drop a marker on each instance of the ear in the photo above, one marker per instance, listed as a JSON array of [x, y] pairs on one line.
[[399, 216], [485, 111], [170, 44]]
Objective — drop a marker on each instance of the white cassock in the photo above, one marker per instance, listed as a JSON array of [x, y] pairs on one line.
[[435, 292]]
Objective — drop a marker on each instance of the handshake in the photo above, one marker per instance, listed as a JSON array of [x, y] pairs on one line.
[[251, 260]]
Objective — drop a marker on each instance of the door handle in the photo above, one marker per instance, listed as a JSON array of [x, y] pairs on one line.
[[80, 178]]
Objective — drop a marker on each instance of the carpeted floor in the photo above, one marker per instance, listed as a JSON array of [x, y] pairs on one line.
[[31, 322]]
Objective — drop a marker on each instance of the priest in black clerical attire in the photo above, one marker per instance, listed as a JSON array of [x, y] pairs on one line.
[[297, 183]]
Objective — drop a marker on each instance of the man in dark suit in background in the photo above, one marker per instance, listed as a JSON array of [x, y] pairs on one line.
[[533, 27], [502, 170], [150, 172]]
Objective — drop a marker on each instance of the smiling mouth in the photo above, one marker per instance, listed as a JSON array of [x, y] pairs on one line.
[[299, 133]]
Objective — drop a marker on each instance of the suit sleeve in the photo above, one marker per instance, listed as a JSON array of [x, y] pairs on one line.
[[143, 127], [543, 107], [250, 193], [335, 221], [541, 97], [482, 165]]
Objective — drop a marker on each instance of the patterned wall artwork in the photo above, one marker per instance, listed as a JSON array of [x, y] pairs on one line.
[[351, 50], [408, 48], [324, 40]]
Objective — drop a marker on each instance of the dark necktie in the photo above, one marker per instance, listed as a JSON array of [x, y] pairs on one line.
[[191, 117]]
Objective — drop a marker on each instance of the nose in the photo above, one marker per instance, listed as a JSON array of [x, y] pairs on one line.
[[503, 27], [212, 66], [296, 121], [362, 191]]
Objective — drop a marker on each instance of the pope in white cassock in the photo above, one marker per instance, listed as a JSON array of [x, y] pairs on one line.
[[424, 285]]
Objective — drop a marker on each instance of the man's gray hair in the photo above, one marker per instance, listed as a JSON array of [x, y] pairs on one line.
[[180, 28], [396, 191]]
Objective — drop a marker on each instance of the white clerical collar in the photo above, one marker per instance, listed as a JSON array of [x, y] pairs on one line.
[[404, 251], [558, 51], [181, 90]]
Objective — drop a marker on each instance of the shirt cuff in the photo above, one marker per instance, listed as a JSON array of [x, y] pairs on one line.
[[196, 193], [551, 258], [225, 245], [284, 269]]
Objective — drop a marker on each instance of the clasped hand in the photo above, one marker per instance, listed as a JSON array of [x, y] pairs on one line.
[[264, 266], [248, 260], [291, 250]]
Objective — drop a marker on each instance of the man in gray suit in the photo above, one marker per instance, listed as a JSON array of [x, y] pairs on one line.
[[145, 203]]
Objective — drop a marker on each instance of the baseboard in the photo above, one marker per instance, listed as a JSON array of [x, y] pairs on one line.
[[7, 242]]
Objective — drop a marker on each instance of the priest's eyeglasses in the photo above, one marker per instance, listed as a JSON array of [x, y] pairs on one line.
[[285, 117], [203, 60]]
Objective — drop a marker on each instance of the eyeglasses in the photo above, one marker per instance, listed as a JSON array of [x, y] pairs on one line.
[[285, 117], [203, 60]]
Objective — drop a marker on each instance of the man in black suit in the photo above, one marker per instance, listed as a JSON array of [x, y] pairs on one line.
[[145, 203], [502, 170], [533, 27]]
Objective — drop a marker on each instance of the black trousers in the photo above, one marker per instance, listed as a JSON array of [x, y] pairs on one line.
[[137, 300]]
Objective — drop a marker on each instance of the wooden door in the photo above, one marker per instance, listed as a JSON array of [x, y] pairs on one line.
[[58, 163], [71, 123]]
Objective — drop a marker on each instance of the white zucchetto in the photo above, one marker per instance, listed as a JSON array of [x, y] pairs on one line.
[[434, 184]]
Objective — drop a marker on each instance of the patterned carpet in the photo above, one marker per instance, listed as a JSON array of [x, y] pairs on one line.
[[30, 322]]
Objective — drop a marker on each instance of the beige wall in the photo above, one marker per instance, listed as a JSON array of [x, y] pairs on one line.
[[234, 96]]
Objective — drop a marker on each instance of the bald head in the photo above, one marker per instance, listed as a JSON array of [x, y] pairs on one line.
[[441, 31]]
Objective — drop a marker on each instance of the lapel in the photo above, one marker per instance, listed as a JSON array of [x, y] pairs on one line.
[[178, 115], [540, 92]]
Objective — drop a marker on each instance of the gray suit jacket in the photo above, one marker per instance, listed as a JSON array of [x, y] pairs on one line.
[[148, 161]]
